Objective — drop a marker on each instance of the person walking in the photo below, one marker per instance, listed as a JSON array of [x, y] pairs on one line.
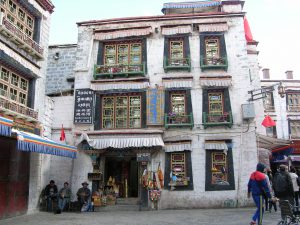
[[258, 187], [294, 178], [283, 185]]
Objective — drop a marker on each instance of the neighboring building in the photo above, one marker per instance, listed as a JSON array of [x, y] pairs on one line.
[[166, 91], [285, 111], [24, 33]]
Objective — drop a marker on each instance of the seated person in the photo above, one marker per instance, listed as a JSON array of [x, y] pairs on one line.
[[84, 197], [64, 195], [50, 194]]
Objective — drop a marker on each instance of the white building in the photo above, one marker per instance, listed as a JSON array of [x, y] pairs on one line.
[[167, 91]]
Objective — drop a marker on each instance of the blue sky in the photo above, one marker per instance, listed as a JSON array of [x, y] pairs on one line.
[[274, 23]]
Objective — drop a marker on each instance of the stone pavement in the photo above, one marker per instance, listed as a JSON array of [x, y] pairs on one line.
[[240, 216]]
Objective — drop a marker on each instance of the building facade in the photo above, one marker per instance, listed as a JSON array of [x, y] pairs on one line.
[[24, 35], [161, 106]]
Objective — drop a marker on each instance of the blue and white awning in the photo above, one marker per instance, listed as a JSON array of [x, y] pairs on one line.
[[5, 126], [33, 143]]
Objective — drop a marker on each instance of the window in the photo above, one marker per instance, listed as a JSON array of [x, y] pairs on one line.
[[295, 129], [13, 86], [176, 52], [215, 103], [16, 15], [269, 101], [123, 111], [178, 103], [293, 101], [219, 175], [178, 165], [212, 50], [271, 132], [123, 53]]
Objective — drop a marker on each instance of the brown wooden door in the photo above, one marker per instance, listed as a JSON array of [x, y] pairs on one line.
[[14, 179]]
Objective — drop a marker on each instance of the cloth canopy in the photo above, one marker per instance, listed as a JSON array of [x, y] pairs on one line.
[[33, 143], [184, 29], [5, 126], [216, 145], [215, 82], [108, 35], [271, 143], [178, 146]]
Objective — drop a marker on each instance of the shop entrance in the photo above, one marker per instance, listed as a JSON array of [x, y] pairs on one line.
[[121, 174]]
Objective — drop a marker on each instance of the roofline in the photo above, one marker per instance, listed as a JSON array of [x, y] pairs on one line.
[[62, 46], [157, 18], [46, 5], [233, 3], [288, 81]]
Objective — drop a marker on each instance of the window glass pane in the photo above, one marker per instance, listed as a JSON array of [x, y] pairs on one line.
[[29, 22], [215, 101], [176, 49], [13, 94], [24, 84], [11, 18], [28, 32], [3, 2], [178, 165], [22, 98], [21, 14], [14, 80], [12, 7], [4, 74], [3, 90], [219, 171], [212, 47], [178, 104]]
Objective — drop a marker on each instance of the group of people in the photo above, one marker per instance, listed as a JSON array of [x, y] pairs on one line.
[[267, 190], [63, 196]]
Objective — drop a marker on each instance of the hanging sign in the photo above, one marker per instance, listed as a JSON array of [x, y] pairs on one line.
[[143, 157], [84, 104], [155, 106]]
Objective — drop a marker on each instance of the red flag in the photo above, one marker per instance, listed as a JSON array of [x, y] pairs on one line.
[[268, 122], [247, 29], [62, 134]]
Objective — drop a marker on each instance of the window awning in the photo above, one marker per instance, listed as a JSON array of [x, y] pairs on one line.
[[108, 35], [119, 86], [179, 83], [122, 140], [216, 145], [271, 143], [214, 27], [178, 146], [295, 158], [5, 126], [215, 82], [176, 30], [33, 143]]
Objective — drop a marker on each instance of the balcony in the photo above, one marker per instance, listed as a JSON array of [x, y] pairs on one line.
[[17, 110], [119, 70], [20, 39], [179, 121], [213, 63], [293, 108], [177, 64], [210, 120]]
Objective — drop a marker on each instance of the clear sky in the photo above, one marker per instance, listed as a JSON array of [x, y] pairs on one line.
[[274, 23]]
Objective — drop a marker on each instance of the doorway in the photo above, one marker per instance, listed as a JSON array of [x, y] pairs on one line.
[[124, 172]]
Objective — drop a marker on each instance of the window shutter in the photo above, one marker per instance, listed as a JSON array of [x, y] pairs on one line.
[[144, 110], [166, 48], [189, 168], [227, 105], [202, 46], [189, 106], [144, 53], [167, 102], [167, 170], [37, 30], [205, 100], [31, 93], [186, 45], [100, 60], [222, 46], [98, 113]]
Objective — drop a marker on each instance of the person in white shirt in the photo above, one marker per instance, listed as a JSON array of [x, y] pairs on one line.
[[294, 177]]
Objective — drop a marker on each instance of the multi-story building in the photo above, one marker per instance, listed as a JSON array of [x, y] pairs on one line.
[[284, 109], [24, 33], [167, 92]]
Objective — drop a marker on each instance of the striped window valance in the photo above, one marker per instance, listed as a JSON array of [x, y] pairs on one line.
[[5, 126], [185, 29], [108, 35]]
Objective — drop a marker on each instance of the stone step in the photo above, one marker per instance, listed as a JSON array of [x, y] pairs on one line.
[[117, 208], [127, 201]]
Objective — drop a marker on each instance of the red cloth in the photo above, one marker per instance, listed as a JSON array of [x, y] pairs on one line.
[[247, 29], [268, 122], [62, 134]]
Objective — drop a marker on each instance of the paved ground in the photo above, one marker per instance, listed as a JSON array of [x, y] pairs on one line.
[[162, 217]]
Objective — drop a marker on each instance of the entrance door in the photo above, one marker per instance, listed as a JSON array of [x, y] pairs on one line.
[[14, 179]]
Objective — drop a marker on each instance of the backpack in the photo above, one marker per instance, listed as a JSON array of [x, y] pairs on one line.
[[298, 181], [280, 183]]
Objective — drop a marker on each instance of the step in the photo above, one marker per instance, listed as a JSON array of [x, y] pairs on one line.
[[117, 208], [127, 201]]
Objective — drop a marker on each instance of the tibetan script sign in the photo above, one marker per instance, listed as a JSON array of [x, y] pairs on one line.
[[155, 106], [143, 157], [84, 104]]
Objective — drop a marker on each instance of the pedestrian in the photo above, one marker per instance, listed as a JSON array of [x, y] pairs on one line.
[[84, 197], [258, 187], [294, 178], [50, 194], [283, 185], [64, 197]]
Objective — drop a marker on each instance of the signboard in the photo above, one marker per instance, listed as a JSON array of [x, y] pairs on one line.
[[143, 157], [155, 106], [84, 104]]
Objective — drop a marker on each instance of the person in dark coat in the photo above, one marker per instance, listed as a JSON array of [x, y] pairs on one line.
[[50, 194], [84, 196], [258, 187]]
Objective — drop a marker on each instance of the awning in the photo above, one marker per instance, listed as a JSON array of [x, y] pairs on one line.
[[214, 27], [5, 126], [178, 146], [176, 30], [216, 145], [119, 85], [122, 140], [33, 143], [195, 4], [215, 82], [295, 158], [271, 143], [107, 35], [178, 83]]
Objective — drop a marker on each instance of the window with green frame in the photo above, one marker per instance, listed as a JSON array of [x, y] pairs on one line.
[[121, 111], [178, 105], [219, 164], [215, 100], [212, 50], [123, 53], [176, 51], [178, 164]]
